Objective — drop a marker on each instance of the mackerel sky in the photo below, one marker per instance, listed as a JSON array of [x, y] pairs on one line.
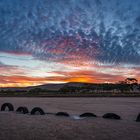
[[56, 41]]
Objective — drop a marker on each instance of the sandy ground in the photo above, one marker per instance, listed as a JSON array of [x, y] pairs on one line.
[[15, 126]]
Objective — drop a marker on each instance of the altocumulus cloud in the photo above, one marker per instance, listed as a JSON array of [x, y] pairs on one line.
[[43, 41], [106, 31]]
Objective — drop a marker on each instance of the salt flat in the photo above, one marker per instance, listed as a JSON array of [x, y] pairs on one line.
[[15, 126]]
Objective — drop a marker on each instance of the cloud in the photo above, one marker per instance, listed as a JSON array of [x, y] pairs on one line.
[[1, 63], [87, 74], [84, 40], [73, 29], [20, 81], [11, 70]]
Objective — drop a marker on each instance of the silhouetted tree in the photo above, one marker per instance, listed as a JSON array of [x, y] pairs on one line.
[[131, 81]]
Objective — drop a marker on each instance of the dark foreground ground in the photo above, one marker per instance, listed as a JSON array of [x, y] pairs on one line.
[[15, 126]]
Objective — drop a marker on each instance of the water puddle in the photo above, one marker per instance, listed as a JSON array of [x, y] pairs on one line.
[[75, 117]]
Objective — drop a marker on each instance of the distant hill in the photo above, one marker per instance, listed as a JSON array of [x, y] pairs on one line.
[[79, 87], [53, 87], [74, 89]]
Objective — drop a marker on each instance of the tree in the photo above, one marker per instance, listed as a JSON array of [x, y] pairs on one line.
[[131, 81]]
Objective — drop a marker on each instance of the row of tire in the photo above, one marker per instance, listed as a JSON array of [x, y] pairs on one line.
[[39, 111]]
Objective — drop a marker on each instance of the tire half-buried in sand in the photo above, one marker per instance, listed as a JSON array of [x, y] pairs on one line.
[[88, 114], [37, 111], [22, 110], [62, 114], [138, 118], [111, 116], [6, 106]]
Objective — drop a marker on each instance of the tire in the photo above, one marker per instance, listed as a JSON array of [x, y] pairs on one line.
[[22, 110], [138, 118], [88, 114], [37, 109], [62, 114], [7, 105], [111, 116]]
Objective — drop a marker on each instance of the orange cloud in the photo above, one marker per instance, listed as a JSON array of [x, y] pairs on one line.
[[75, 76], [78, 70], [20, 81]]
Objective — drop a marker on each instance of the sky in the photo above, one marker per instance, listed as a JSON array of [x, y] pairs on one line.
[[59, 41]]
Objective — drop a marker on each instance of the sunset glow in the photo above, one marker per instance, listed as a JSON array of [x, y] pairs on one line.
[[68, 41]]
